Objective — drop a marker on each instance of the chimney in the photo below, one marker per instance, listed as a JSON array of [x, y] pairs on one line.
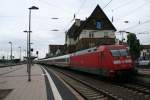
[[77, 22]]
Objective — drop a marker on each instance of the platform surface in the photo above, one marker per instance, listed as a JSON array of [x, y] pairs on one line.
[[144, 72], [16, 78]]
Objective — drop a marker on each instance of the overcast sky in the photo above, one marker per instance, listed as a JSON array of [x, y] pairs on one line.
[[14, 20]]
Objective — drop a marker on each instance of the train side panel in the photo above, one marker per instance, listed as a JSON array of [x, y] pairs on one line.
[[106, 60], [90, 60], [103, 61]]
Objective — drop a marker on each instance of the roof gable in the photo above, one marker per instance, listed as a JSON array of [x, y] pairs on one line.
[[99, 15], [90, 23]]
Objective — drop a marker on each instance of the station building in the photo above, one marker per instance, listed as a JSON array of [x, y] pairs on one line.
[[145, 52], [55, 50], [96, 30]]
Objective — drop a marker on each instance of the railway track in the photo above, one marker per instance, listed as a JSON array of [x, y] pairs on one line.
[[91, 87], [140, 89], [87, 91]]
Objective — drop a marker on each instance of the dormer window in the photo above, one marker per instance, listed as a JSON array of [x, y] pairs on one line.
[[98, 24]]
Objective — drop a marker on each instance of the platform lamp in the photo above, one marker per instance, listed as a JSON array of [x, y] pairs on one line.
[[30, 9], [10, 50], [27, 57], [20, 52]]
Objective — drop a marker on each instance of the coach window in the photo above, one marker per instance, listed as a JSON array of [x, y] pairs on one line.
[[67, 59], [94, 49], [89, 50]]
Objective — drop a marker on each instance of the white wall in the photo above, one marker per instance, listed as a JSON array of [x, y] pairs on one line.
[[97, 34], [70, 41]]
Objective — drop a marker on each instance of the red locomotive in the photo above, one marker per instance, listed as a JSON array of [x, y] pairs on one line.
[[106, 60]]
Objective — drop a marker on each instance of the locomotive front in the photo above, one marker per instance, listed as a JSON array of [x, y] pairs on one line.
[[121, 62]]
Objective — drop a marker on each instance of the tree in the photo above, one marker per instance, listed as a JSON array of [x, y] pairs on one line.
[[134, 46], [3, 57]]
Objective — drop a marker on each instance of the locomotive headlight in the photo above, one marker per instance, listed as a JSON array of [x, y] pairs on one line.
[[117, 62], [128, 61]]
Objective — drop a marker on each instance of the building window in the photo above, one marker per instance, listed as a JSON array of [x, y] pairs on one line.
[[91, 35], [98, 24], [105, 34]]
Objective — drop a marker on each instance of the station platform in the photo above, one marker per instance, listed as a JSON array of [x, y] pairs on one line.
[[14, 85], [145, 72], [15, 80]]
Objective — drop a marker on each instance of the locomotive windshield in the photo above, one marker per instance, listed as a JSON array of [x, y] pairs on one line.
[[115, 52], [121, 52]]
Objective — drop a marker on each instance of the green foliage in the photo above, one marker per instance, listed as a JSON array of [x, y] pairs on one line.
[[134, 46]]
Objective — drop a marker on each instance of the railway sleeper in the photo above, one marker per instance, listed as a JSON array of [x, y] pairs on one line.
[[92, 94], [89, 91], [97, 97], [138, 89]]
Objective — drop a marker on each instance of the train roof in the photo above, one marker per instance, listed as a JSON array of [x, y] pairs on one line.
[[100, 48], [90, 50], [58, 57], [112, 46], [85, 51]]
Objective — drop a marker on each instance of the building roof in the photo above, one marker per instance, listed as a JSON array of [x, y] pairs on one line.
[[54, 48], [145, 46], [71, 32], [90, 23]]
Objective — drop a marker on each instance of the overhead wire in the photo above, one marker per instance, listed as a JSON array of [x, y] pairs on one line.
[[56, 6], [137, 25], [83, 3], [78, 11], [122, 5], [146, 32], [107, 4], [134, 10]]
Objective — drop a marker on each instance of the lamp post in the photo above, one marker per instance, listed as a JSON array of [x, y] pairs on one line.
[[29, 49], [20, 52], [37, 52], [24, 55], [27, 57], [10, 50], [27, 40]]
